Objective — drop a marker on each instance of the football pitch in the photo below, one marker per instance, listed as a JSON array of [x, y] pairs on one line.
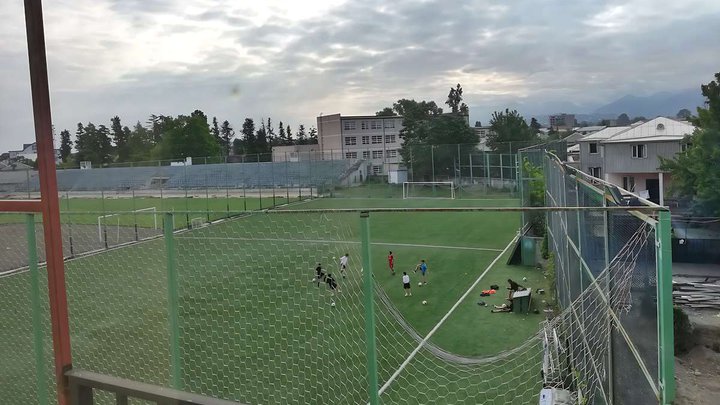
[[252, 325]]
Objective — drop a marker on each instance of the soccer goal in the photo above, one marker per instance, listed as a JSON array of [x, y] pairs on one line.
[[428, 189], [113, 222]]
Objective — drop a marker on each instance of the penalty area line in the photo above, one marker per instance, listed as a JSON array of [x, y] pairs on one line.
[[444, 318]]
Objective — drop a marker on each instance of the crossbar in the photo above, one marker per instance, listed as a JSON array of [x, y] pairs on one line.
[[26, 206], [83, 382]]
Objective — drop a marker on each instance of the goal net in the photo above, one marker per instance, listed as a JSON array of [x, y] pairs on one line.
[[111, 227], [428, 189]]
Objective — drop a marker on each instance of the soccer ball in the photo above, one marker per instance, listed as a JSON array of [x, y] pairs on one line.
[[333, 257], [424, 302], [420, 284], [332, 304]]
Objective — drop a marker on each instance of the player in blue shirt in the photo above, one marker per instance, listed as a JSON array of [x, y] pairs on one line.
[[422, 266]]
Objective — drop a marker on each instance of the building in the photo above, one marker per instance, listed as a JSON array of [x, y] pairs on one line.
[[374, 139], [29, 151], [629, 157], [562, 122], [483, 133]]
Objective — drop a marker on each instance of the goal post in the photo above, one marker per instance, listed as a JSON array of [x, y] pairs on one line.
[[147, 219], [429, 189]]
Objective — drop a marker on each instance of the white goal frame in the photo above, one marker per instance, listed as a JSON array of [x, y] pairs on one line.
[[407, 184], [103, 217]]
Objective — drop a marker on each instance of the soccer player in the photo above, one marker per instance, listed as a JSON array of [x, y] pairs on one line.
[[391, 262], [332, 284], [406, 284], [422, 266], [513, 286], [343, 263], [319, 274]]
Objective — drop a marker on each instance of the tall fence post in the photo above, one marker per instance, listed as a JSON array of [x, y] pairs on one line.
[[38, 347], [369, 310], [665, 308], [173, 302]]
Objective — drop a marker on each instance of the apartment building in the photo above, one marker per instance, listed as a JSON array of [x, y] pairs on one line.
[[368, 137]]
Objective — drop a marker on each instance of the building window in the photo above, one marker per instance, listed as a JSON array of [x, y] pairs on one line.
[[349, 125], [351, 140], [389, 138], [629, 183], [376, 139], [366, 140], [366, 154], [639, 151], [377, 154], [685, 146], [391, 153], [375, 124], [594, 171], [377, 170], [364, 125], [389, 123], [593, 148], [350, 155]]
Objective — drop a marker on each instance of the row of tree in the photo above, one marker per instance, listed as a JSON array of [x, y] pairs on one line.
[[167, 137]]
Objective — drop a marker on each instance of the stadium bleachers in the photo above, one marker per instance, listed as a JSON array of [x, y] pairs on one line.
[[224, 175]]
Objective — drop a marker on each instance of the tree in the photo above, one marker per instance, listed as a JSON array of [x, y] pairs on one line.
[[215, 131], [93, 144], [312, 135], [623, 120], [385, 112], [140, 143], [638, 119], [454, 101], [301, 137], [226, 134], [187, 136], [261, 139], [535, 125], [120, 137], [248, 137], [695, 171], [282, 137], [269, 133], [65, 145], [478, 124], [290, 140], [509, 132], [684, 114]]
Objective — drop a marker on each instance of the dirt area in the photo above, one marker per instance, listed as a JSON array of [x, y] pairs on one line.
[[697, 372]]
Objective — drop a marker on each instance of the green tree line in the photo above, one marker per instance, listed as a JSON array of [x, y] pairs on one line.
[[165, 137]]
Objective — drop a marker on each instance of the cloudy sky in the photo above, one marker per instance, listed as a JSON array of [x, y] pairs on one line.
[[293, 60]]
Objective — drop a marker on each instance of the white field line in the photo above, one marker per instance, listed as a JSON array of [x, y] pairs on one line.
[[328, 241], [444, 318]]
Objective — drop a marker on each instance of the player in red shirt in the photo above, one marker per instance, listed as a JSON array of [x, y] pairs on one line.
[[391, 262]]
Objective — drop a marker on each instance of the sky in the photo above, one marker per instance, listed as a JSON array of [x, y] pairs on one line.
[[295, 60]]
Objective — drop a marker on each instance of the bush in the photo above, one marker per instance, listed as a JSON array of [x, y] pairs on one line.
[[683, 331], [544, 249]]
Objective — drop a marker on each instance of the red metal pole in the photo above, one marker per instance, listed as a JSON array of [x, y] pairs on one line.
[[49, 196], [20, 206]]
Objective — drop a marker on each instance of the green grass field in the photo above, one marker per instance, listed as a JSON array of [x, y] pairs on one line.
[[254, 328]]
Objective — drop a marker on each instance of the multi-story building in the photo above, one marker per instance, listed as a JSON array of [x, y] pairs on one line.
[[630, 156], [562, 122], [483, 133], [374, 139]]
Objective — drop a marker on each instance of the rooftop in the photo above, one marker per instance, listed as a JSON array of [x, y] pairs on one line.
[[604, 134], [655, 130]]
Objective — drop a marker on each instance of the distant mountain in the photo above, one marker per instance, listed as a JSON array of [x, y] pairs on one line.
[[665, 103]]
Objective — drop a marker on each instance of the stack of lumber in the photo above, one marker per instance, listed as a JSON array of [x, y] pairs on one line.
[[697, 294]]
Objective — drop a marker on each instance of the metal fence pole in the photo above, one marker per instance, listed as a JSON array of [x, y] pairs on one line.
[[38, 346], [432, 161], [665, 308], [173, 302], [369, 309], [471, 169]]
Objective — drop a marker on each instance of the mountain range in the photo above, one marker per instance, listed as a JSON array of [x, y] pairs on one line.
[[664, 103]]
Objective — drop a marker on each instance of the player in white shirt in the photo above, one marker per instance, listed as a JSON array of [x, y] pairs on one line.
[[406, 284], [343, 264]]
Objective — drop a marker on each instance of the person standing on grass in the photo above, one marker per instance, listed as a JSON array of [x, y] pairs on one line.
[[343, 263], [391, 262], [319, 274], [422, 266], [406, 284]]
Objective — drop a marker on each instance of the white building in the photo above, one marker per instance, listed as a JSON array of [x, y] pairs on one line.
[[29, 151], [372, 138]]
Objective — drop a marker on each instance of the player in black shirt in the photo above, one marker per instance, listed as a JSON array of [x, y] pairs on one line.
[[319, 274], [332, 284]]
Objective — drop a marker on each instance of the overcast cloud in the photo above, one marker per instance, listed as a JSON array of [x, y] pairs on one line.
[[293, 60]]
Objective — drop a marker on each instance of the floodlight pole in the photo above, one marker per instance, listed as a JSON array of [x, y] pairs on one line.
[[48, 196]]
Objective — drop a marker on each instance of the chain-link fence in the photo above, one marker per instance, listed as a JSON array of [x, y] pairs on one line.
[[612, 269]]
